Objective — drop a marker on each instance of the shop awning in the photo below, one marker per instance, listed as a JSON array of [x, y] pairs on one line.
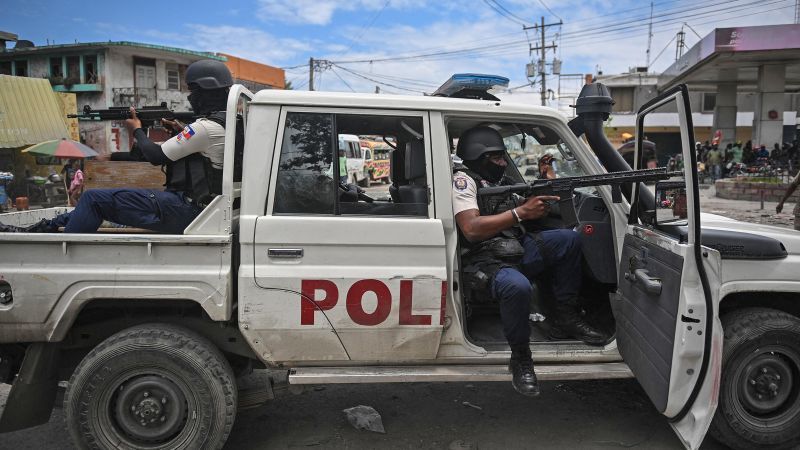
[[29, 112]]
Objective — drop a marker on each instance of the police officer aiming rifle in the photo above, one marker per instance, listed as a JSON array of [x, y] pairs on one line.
[[193, 160], [500, 259]]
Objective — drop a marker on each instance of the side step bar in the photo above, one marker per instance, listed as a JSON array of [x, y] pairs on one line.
[[419, 374]]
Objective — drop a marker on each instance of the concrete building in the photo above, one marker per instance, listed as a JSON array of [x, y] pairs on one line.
[[742, 82], [105, 74]]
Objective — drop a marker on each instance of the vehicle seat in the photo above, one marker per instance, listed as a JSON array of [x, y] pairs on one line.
[[397, 172], [416, 188]]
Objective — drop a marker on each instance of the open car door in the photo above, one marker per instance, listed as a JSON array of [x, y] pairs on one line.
[[668, 328]]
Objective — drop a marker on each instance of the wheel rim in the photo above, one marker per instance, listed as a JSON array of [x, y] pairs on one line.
[[768, 387], [148, 409]]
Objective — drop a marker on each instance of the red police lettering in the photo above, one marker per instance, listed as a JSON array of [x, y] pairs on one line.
[[355, 308], [309, 302], [407, 317]]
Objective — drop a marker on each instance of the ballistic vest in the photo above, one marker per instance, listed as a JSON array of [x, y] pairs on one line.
[[196, 177]]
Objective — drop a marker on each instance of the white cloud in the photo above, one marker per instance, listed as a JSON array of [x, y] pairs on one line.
[[320, 12], [249, 43]]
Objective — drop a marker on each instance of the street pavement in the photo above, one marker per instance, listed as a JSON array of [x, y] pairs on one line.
[[746, 211], [577, 414], [597, 415]]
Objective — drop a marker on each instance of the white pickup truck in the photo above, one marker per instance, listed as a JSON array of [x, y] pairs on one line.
[[287, 270]]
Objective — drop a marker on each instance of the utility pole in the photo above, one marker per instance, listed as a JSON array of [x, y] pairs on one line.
[[543, 48], [681, 43], [310, 74], [649, 37], [796, 11]]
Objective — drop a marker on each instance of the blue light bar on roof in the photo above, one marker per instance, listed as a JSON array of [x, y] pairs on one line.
[[470, 82]]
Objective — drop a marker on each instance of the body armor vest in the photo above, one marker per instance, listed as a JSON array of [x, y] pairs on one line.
[[195, 176], [481, 261]]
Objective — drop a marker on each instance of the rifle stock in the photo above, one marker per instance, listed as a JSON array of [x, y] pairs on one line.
[[497, 199]]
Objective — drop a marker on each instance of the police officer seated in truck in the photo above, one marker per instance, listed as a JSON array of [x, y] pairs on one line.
[[496, 248], [193, 160]]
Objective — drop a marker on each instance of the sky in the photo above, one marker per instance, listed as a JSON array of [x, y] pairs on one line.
[[403, 46]]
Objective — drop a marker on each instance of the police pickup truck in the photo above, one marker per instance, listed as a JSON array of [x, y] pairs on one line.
[[290, 271]]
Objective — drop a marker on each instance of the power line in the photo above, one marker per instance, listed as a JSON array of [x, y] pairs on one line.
[[621, 26], [377, 81], [418, 56], [500, 5], [364, 30], [662, 51], [500, 12], [550, 10], [575, 38], [340, 77]]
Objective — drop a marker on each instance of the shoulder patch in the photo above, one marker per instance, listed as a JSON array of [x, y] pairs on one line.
[[460, 183], [186, 134]]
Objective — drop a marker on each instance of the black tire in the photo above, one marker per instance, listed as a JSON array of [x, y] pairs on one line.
[[759, 399], [120, 394]]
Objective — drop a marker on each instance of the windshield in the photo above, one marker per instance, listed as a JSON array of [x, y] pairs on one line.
[[525, 150]]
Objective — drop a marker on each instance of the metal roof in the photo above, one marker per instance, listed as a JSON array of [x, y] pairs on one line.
[[733, 55], [15, 52], [29, 112]]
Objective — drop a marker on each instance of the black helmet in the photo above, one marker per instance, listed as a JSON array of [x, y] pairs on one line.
[[477, 141], [208, 74]]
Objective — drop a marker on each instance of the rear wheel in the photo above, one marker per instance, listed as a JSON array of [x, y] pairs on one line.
[[152, 386], [759, 400]]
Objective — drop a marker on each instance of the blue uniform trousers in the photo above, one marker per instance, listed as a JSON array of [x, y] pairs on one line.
[[557, 252], [160, 211]]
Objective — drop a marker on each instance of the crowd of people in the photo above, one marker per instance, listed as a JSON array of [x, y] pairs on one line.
[[720, 163]]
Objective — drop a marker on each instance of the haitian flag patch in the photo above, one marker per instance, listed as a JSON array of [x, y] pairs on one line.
[[186, 134]]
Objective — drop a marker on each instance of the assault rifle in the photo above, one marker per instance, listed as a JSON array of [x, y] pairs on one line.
[[149, 115], [497, 199]]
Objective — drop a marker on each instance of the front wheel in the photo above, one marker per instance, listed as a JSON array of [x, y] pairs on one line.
[[153, 386], [759, 399]]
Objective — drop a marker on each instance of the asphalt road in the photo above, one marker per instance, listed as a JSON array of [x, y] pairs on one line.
[[568, 415]]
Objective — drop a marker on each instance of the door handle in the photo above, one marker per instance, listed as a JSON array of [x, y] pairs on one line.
[[651, 285], [285, 252]]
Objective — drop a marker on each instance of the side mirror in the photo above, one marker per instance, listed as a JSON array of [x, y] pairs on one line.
[[671, 203]]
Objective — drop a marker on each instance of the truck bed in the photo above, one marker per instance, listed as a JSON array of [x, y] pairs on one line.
[[52, 276]]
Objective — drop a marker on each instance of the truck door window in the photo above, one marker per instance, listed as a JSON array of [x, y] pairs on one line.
[[309, 178], [305, 182]]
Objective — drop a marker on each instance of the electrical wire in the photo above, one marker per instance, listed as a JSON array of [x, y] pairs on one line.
[[630, 25], [364, 30], [550, 10], [340, 77], [576, 38], [662, 50], [501, 13], [377, 81], [499, 5]]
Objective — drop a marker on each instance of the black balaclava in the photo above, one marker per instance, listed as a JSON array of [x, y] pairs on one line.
[[205, 102], [488, 170]]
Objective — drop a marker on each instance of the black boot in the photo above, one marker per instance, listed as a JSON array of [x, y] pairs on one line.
[[42, 226], [521, 368], [570, 324]]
